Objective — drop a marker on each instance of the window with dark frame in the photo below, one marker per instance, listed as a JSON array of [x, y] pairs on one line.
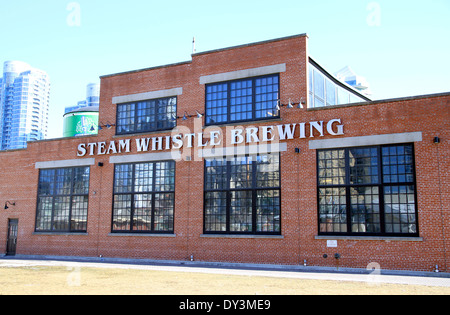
[[242, 195], [367, 191], [147, 116], [144, 198], [63, 196], [242, 100]]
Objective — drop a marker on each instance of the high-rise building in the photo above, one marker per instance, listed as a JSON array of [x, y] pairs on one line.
[[92, 98], [357, 82], [24, 105]]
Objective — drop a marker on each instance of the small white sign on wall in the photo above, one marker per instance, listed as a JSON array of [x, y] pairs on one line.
[[332, 244]]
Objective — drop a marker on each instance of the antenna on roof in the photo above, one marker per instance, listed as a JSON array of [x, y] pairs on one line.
[[193, 46]]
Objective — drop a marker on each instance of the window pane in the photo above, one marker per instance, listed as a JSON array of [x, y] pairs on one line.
[[143, 177], [81, 181], [398, 164], [318, 102], [123, 178], [63, 200], [332, 167], [241, 172], [311, 79], [365, 210], [145, 116], [63, 181], [241, 100], [363, 166], [137, 205], [353, 200], [142, 217], [216, 174], [79, 213], [167, 113], [343, 96], [44, 214], [122, 213], [216, 212], [165, 176], [268, 170], [241, 211], [249, 196], [217, 103], [61, 214], [400, 209], [331, 93], [319, 84], [268, 211], [164, 211], [47, 182], [125, 118], [332, 210], [266, 97]]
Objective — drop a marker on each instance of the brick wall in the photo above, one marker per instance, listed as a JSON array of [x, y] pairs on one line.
[[429, 115]]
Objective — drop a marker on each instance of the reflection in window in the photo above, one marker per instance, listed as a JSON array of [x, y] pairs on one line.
[[242, 100], [144, 197], [242, 195], [147, 116], [63, 196], [367, 191], [325, 91]]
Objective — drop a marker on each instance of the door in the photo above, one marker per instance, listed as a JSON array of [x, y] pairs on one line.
[[11, 245]]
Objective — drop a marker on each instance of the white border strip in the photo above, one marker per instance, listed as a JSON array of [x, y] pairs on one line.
[[366, 141], [242, 74], [147, 96], [148, 157], [243, 150], [65, 163]]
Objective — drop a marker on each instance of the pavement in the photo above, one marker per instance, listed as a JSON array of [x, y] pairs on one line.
[[273, 271]]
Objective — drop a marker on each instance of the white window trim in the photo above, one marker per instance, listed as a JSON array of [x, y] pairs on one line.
[[242, 74], [366, 141]]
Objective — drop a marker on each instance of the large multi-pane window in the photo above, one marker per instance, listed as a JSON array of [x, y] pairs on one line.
[[368, 191], [147, 116], [324, 91], [242, 195], [63, 196], [144, 197], [242, 100]]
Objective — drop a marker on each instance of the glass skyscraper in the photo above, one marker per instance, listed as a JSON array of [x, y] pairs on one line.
[[92, 98], [24, 105]]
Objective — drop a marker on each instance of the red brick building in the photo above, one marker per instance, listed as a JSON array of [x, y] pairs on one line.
[[249, 154]]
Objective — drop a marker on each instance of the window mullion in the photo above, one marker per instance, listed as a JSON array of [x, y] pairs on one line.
[[348, 191], [53, 201], [72, 187], [135, 118], [228, 102], [381, 192], [228, 215], [153, 197], [253, 99], [254, 196], [133, 192]]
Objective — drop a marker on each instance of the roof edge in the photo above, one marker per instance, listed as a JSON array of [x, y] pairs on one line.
[[205, 53], [250, 44], [388, 100], [146, 69]]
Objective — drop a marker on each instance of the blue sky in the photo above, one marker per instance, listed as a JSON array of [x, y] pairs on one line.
[[401, 47]]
